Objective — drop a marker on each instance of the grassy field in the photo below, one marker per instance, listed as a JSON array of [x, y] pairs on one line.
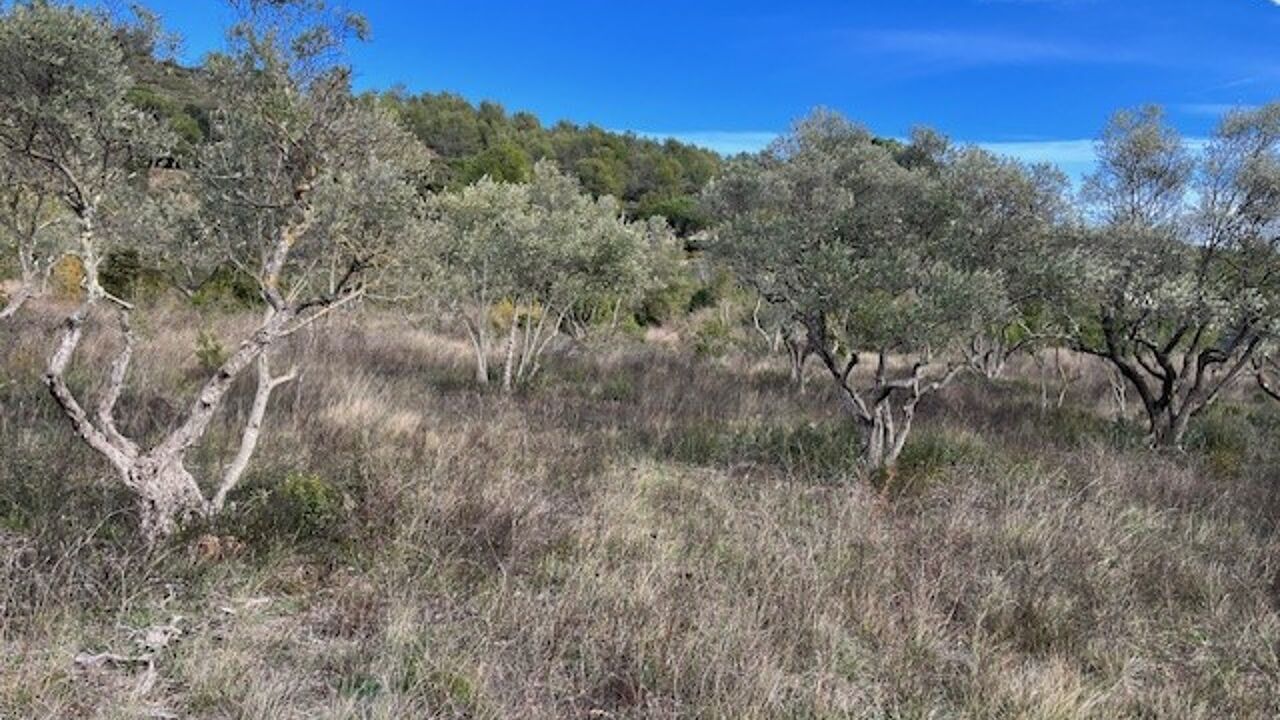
[[645, 533]]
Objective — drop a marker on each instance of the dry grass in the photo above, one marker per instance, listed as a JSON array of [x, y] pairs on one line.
[[642, 535]]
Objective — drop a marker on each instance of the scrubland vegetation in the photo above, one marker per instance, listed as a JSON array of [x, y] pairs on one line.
[[304, 415], [642, 533]]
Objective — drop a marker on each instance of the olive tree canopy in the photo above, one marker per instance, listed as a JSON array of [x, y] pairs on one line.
[[525, 257], [851, 240], [67, 130], [1007, 217], [1179, 279], [302, 186]]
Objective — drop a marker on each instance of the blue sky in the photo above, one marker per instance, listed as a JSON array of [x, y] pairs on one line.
[[1033, 78]]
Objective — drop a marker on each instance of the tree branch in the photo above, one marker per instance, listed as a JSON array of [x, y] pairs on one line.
[[252, 429]]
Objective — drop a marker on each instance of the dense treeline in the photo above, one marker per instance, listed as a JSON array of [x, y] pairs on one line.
[[475, 141], [898, 266], [472, 141]]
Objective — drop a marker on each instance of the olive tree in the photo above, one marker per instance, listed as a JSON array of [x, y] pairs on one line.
[[520, 258], [67, 132], [303, 187], [31, 220], [1004, 217], [831, 225], [780, 330], [1178, 278]]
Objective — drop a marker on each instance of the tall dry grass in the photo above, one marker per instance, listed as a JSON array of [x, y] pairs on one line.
[[644, 534]]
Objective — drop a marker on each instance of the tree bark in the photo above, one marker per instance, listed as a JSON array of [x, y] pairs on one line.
[[874, 409], [167, 493], [252, 429], [168, 496], [480, 347], [18, 299], [1180, 376], [798, 352], [508, 367]]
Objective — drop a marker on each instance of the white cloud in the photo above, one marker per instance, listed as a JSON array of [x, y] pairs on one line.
[[962, 47]]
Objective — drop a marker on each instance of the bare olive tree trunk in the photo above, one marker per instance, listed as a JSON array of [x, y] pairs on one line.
[[252, 429], [886, 408], [1065, 379], [527, 341], [508, 366], [1177, 378], [988, 353], [799, 349], [479, 336], [167, 493]]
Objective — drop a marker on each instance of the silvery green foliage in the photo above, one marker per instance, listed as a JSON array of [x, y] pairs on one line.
[[852, 239], [302, 186], [66, 127], [541, 248], [1177, 284], [32, 231], [1006, 217], [829, 224], [295, 156]]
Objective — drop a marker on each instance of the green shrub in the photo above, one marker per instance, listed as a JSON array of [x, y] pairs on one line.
[[125, 276], [713, 338], [209, 351], [1073, 426], [666, 302], [720, 286], [929, 452], [1224, 434], [228, 289], [303, 508]]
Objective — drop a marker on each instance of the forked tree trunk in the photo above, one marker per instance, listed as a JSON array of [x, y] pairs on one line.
[[168, 496], [480, 348], [798, 352], [989, 355], [19, 298], [167, 493], [887, 408], [887, 436], [1177, 381], [526, 344]]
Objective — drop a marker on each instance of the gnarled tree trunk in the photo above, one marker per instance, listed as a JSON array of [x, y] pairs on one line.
[[799, 349], [168, 494], [886, 409], [1179, 377]]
